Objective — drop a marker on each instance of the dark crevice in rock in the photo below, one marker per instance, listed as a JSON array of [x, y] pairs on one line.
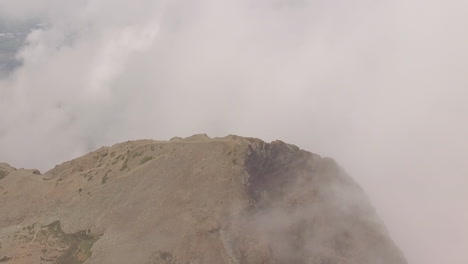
[[5, 259], [273, 167]]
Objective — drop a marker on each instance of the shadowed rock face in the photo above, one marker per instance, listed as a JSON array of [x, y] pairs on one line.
[[194, 200]]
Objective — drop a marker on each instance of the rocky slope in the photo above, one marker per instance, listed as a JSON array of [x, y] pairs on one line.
[[196, 200]]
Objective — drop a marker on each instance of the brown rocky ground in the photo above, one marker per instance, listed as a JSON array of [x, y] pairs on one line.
[[196, 200]]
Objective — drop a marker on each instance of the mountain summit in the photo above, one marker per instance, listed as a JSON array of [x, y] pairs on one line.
[[196, 200]]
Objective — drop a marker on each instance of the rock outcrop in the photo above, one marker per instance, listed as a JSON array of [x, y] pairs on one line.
[[195, 200]]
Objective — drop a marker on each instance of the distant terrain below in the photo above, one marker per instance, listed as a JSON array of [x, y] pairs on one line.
[[12, 37]]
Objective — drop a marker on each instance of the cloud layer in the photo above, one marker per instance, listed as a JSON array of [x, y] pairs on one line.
[[379, 86]]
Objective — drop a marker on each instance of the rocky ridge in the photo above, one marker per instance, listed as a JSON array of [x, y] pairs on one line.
[[193, 200]]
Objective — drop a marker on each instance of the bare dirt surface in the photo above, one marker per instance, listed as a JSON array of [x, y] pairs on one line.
[[196, 200]]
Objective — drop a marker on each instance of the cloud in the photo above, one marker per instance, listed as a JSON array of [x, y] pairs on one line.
[[379, 86]]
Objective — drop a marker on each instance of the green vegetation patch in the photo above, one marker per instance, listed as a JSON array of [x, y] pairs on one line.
[[161, 257], [137, 154], [5, 259], [105, 178], [116, 160], [78, 245], [145, 159], [57, 246], [3, 174]]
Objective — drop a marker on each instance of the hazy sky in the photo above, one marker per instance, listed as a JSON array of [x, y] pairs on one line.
[[381, 86]]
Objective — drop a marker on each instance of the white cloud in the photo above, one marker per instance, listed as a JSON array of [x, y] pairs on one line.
[[381, 87]]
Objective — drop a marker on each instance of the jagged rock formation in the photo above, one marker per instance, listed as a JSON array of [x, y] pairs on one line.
[[195, 200]]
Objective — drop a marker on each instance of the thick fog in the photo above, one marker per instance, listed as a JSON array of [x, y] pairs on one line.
[[380, 86]]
